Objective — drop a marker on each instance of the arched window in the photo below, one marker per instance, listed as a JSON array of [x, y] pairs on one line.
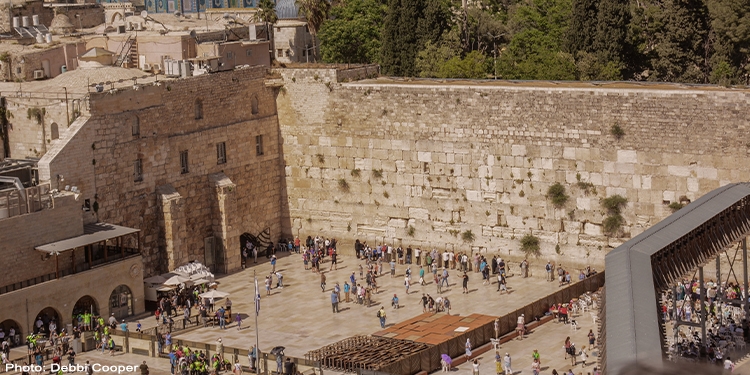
[[198, 109], [54, 130], [254, 105], [121, 302]]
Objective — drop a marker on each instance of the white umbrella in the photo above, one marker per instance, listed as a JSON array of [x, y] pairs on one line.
[[165, 289], [201, 281], [215, 294], [176, 280], [158, 279]]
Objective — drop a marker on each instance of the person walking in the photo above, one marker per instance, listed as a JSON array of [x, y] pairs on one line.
[[584, 356], [549, 268], [252, 356], [322, 282], [475, 367], [238, 319], [347, 290], [406, 283], [468, 349], [536, 367], [507, 364], [465, 283], [381, 316], [335, 301]]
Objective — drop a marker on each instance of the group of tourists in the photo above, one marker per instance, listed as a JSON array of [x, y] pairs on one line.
[[727, 325]]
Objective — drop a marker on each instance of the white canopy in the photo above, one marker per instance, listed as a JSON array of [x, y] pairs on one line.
[[176, 280], [215, 294]]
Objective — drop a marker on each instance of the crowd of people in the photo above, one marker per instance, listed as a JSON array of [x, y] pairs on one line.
[[727, 326]]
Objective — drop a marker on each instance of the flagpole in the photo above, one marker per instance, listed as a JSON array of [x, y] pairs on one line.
[[257, 341]]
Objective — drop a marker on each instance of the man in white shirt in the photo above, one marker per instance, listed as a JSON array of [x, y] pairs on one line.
[[446, 258], [417, 253], [728, 364]]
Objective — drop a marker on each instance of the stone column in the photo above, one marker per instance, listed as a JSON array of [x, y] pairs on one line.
[[223, 217], [172, 228]]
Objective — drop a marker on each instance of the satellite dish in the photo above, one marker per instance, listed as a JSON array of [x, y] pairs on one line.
[[193, 34], [144, 14], [177, 13]]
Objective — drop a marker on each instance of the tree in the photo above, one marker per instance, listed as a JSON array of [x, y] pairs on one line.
[[266, 12], [730, 41], [536, 47], [583, 25], [352, 35], [316, 13], [473, 66], [431, 59], [407, 27]]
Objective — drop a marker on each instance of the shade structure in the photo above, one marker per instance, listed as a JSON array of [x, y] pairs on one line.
[[158, 279], [201, 281], [215, 294], [165, 289], [176, 280]]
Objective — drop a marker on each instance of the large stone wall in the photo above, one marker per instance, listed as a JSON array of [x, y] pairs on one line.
[[178, 211], [462, 156]]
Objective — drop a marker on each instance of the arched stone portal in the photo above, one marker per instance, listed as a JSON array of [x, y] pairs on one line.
[[85, 304], [45, 319], [121, 302], [11, 330]]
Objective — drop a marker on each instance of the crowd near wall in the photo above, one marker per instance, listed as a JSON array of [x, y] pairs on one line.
[[189, 203], [437, 164]]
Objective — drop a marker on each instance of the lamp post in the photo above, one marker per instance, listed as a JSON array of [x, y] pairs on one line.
[[494, 50]]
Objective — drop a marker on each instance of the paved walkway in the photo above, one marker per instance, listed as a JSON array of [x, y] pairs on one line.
[[300, 318]]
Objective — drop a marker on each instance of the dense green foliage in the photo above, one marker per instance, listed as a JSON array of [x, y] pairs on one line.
[[698, 41]]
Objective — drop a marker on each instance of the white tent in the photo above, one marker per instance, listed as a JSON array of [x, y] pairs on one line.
[[215, 294], [158, 279], [176, 280]]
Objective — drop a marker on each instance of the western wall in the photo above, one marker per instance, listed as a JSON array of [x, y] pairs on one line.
[[422, 163]]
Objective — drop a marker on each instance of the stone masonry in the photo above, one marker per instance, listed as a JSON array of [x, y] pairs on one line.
[[421, 163], [180, 213]]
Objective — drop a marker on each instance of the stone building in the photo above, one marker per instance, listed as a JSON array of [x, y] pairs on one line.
[[194, 163], [54, 266]]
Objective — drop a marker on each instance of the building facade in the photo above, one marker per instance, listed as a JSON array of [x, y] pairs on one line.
[[195, 163]]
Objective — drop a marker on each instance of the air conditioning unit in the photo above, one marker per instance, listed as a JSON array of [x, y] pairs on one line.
[[146, 67], [39, 74], [156, 67]]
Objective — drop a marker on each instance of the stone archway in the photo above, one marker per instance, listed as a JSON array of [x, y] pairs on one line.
[[121, 302], [12, 330], [45, 317], [84, 305], [116, 16]]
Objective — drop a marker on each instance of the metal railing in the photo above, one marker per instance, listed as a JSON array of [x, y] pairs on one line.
[[12, 203]]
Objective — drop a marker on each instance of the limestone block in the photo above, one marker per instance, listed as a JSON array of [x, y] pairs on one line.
[[397, 223], [490, 160], [609, 167], [474, 196], [678, 170], [610, 191], [592, 229], [543, 163], [583, 153], [705, 172], [570, 177], [324, 141], [692, 184], [669, 196], [425, 157], [518, 150], [706, 185], [514, 221], [627, 156], [450, 157], [626, 168], [419, 213], [569, 153], [583, 203]]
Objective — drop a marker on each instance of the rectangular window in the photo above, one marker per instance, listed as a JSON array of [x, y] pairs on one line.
[[259, 145], [279, 53], [184, 162], [249, 52], [136, 127], [221, 153], [138, 170], [230, 55]]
